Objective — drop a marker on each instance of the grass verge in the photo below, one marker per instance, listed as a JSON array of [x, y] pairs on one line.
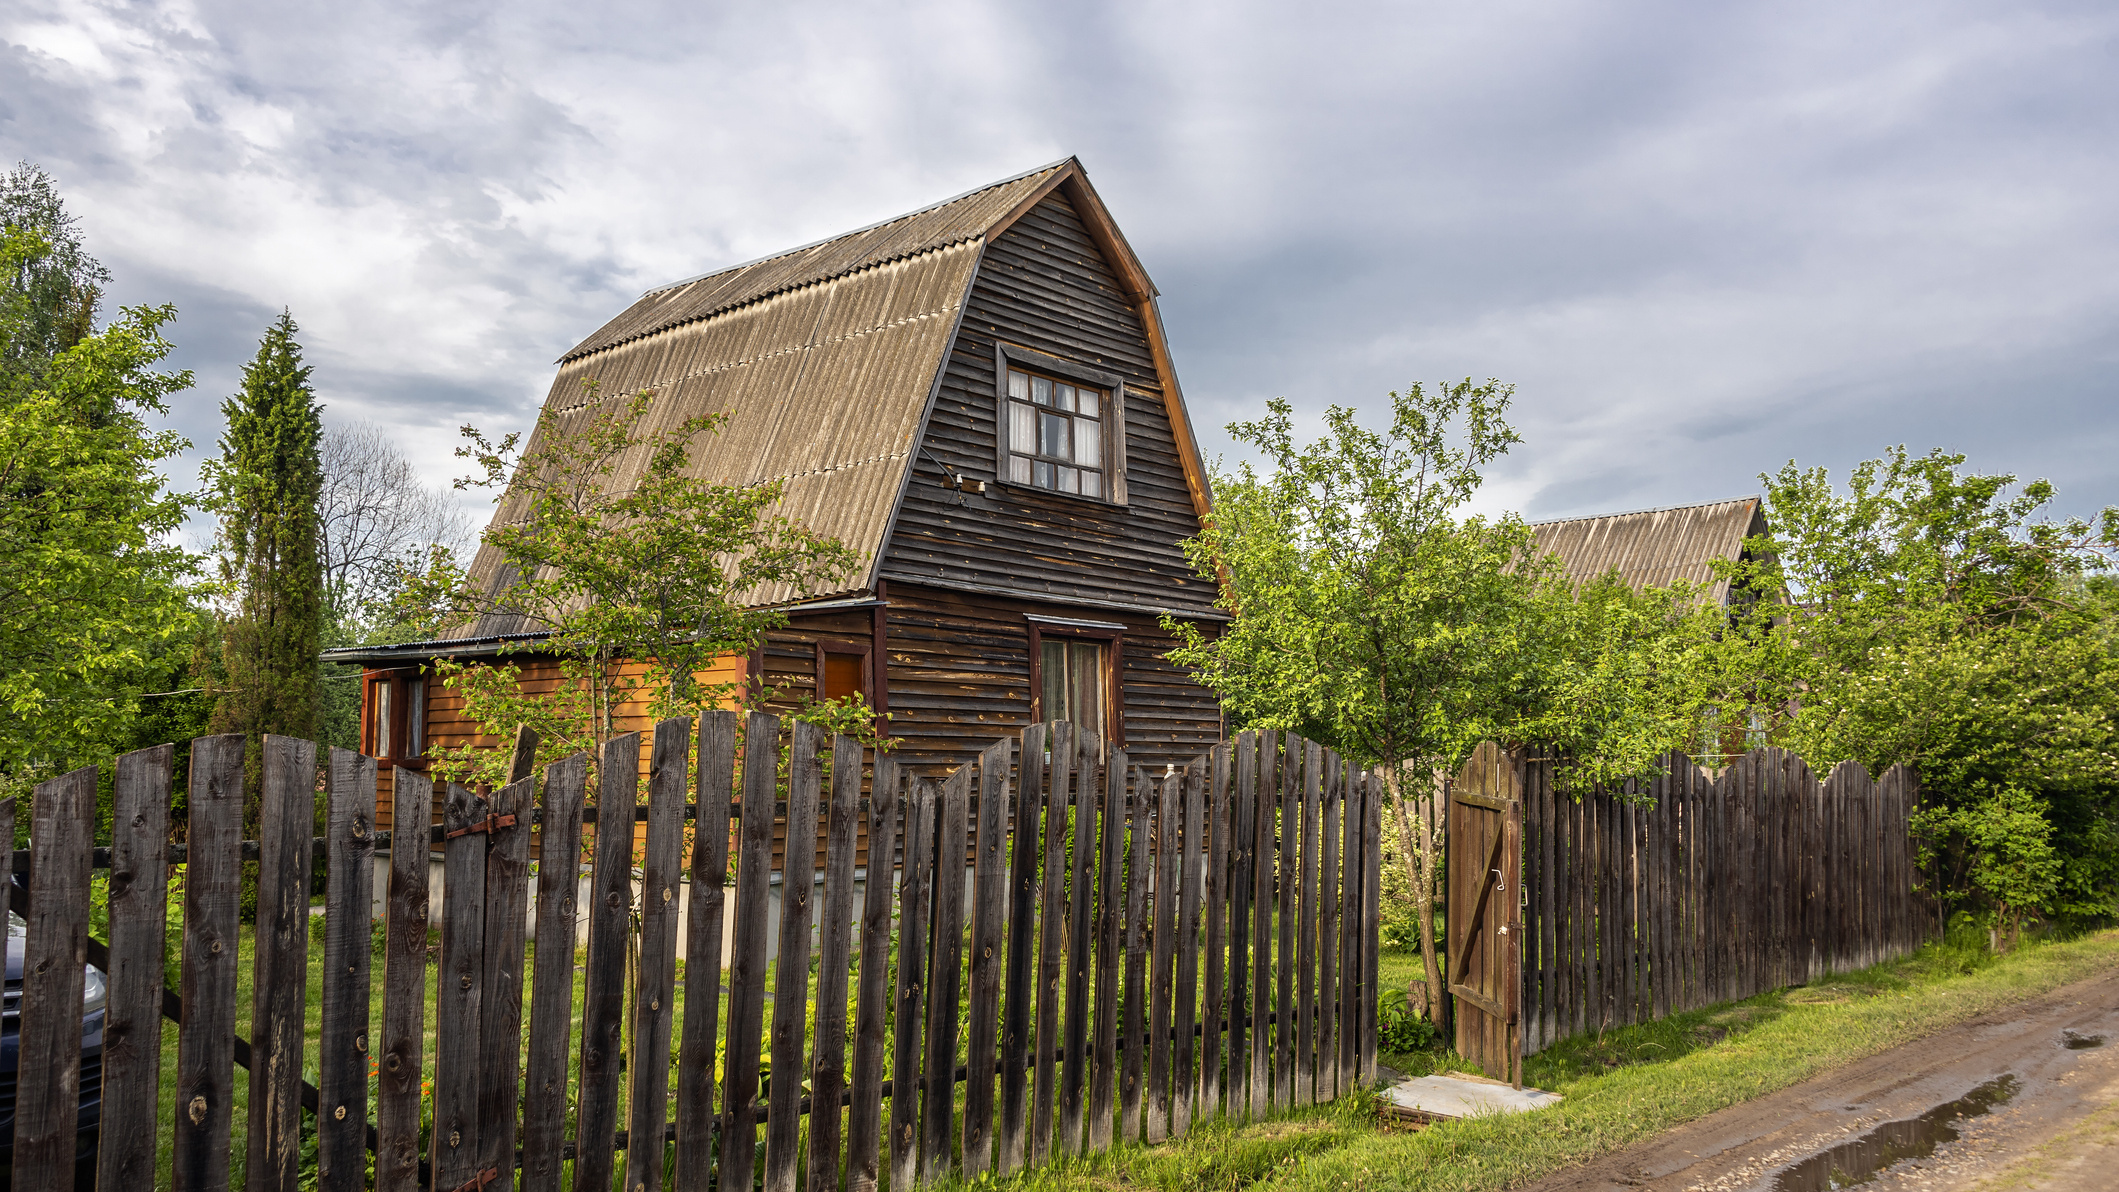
[[1621, 1087]]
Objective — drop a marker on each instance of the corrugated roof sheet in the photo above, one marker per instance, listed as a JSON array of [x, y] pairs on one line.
[[1655, 547], [860, 348], [953, 221]]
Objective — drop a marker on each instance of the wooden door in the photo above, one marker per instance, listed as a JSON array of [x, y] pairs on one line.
[[1485, 922]]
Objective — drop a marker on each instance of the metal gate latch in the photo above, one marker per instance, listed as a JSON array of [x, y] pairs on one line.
[[484, 1177], [492, 823]]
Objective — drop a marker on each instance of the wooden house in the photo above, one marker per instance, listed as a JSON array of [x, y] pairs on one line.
[[976, 397], [1658, 547]]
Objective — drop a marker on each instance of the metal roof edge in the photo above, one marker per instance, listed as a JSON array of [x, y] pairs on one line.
[[438, 647], [1754, 497], [788, 252]]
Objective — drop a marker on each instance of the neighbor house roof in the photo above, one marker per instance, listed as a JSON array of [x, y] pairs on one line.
[[1656, 547], [824, 360]]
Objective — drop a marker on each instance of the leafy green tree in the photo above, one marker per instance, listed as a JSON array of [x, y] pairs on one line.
[[1936, 616], [265, 487], [1371, 613], [638, 584], [90, 584], [56, 284]]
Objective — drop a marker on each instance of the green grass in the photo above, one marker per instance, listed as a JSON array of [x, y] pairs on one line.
[[1621, 1086]]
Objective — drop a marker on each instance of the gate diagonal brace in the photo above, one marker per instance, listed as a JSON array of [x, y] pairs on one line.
[[1476, 921], [484, 1177], [492, 823]]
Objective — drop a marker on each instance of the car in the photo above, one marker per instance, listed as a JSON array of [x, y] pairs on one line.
[[95, 1000]]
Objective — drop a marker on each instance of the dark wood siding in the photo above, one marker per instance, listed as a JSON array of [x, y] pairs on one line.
[[791, 652], [1043, 285], [959, 667]]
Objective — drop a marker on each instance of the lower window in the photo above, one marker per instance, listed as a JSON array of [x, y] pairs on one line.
[[1072, 676], [397, 716]]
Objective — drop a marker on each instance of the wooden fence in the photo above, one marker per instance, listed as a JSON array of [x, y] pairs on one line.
[[1118, 954], [1706, 888]]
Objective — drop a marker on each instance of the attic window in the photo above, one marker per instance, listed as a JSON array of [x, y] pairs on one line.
[[1055, 434], [1061, 426]]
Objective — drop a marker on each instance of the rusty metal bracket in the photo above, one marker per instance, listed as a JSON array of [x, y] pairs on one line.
[[492, 823], [480, 1180]]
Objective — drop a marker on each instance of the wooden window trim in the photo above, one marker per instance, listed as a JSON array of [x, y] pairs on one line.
[[1114, 422], [848, 646], [398, 679], [879, 664], [1114, 670], [370, 680]]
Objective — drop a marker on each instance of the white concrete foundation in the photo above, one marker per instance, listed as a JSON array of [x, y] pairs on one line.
[[1458, 1096]]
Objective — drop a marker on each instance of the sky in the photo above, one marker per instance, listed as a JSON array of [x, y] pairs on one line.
[[1700, 240]]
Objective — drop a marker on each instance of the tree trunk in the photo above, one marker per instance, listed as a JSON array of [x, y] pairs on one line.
[[1419, 853]]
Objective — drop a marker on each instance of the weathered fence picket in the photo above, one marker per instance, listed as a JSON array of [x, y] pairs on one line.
[[206, 1046], [48, 1071], [132, 1026], [655, 991], [544, 1103], [1697, 888]]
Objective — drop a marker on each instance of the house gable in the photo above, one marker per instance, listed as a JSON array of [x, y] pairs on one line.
[[1049, 284]]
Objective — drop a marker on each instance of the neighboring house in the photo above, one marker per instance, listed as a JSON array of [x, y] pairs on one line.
[[1657, 547], [979, 400]]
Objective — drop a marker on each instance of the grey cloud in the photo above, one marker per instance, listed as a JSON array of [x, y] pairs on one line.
[[1701, 239]]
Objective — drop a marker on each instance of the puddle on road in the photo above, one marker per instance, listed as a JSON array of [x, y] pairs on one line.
[[1857, 1161], [2077, 1041]]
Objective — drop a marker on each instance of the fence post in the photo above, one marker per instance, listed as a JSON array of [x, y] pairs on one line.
[[655, 991], [342, 1048], [1074, 1080], [945, 960], [1109, 949], [139, 913], [603, 996], [702, 951], [1016, 1039], [827, 1078], [544, 1105], [1133, 1026], [915, 898], [746, 977], [213, 877], [48, 1076], [865, 1116], [454, 1146]]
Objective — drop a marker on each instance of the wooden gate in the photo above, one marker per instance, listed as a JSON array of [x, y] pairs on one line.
[[1485, 926]]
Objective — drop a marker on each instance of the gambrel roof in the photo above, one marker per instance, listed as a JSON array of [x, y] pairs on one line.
[[1656, 547], [826, 359]]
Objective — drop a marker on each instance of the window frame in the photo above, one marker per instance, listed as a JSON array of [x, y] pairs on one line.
[[400, 683], [865, 651], [1111, 634], [1113, 421]]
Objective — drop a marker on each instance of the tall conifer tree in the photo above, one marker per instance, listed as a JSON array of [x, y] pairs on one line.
[[267, 482]]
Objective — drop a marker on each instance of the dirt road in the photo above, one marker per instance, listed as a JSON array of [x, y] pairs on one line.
[[2030, 1094]]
